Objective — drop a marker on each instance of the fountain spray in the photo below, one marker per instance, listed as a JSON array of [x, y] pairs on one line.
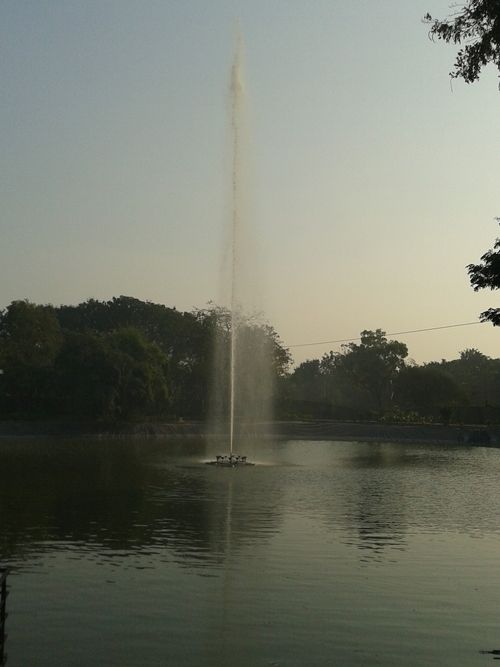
[[246, 371], [236, 90]]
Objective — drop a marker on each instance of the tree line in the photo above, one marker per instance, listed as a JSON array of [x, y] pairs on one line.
[[119, 359], [130, 359], [374, 379]]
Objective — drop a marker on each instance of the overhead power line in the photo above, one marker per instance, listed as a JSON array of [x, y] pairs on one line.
[[393, 333]]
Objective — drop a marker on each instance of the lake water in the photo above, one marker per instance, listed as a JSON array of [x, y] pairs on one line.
[[327, 553]]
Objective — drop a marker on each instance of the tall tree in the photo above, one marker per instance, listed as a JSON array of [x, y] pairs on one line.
[[307, 381], [475, 26], [486, 274], [427, 388], [181, 336], [30, 339], [112, 375], [477, 376], [370, 366]]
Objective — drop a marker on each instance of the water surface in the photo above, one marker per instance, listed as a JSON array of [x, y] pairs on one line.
[[327, 553]]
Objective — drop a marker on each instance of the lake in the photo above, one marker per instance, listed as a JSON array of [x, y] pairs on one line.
[[128, 552]]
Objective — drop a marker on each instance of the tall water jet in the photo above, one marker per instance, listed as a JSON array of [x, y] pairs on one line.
[[242, 387], [236, 90]]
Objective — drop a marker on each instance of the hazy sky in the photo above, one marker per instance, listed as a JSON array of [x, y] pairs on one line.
[[375, 181]]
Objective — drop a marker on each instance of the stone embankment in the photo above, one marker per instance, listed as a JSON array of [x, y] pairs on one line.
[[376, 431], [294, 430]]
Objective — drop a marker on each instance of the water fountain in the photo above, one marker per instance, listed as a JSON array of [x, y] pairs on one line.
[[236, 88], [247, 369]]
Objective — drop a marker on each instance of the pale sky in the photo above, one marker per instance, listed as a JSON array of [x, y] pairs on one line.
[[375, 181]]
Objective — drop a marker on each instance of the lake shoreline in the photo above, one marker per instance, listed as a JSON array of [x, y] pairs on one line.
[[291, 430]]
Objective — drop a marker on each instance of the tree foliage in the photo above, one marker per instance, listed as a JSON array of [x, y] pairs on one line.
[[475, 26], [123, 358], [260, 361], [486, 274], [30, 335], [30, 340], [424, 388], [307, 381], [373, 379], [131, 359], [368, 368], [476, 375]]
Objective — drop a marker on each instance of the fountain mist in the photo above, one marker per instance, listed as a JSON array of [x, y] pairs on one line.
[[236, 89], [242, 387]]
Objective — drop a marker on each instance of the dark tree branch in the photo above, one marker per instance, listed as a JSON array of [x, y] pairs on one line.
[[478, 24]]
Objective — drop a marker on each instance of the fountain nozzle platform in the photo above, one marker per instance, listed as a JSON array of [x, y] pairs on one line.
[[231, 461]]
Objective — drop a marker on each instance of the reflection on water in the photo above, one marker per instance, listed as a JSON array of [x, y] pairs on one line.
[[125, 498], [327, 553]]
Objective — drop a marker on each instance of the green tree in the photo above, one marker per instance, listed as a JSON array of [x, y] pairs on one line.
[[475, 26], [307, 381], [30, 334], [140, 366], [86, 376], [427, 389], [477, 376], [183, 337], [30, 339], [368, 369], [306, 391], [117, 375], [127, 358], [486, 274]]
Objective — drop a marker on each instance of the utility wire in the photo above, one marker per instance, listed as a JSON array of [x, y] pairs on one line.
[[394, 333]]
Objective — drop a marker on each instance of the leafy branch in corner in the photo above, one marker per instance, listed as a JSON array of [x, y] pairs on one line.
[[476, 28]]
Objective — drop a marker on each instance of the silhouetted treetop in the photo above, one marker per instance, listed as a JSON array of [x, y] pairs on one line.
[[486, 274], [371, 366], [30, 335], [476, 27]]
